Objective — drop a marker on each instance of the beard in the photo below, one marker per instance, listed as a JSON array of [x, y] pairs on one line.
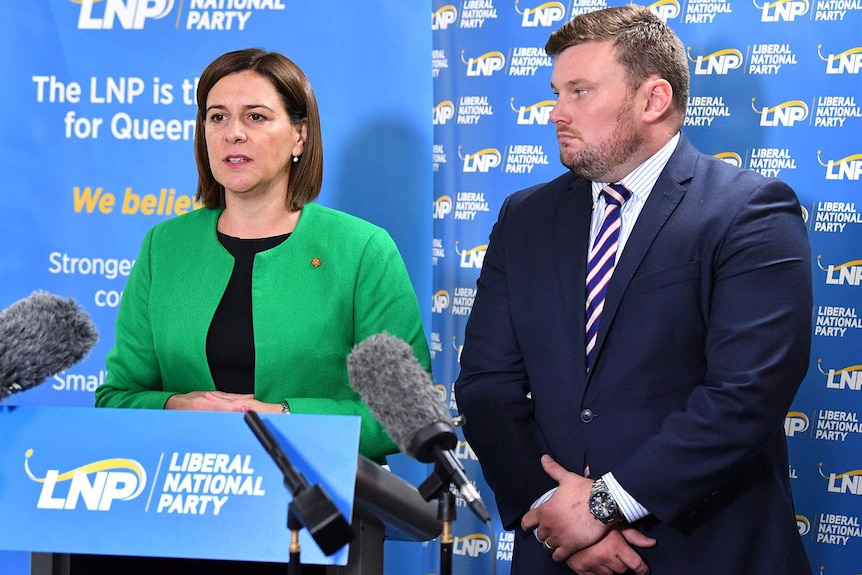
[[599, 162]]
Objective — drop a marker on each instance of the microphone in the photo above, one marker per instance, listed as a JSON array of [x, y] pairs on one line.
[[40, 336], [385, 373], [311, 505]]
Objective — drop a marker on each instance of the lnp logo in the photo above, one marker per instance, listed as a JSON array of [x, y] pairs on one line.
[[436, 344], [731, 158], [784, 114], [770, 58], [847, 482], [439, 156], [114, 479], [836, 425], [803, 525], [440, 301], [475, 12], [786, 10], [441, 392], [442, 206], [834, 216], [439, 61], [665, 9], [542, 15], [472, 545], [795, 422], [131, 14], [472, 258], [720, 62], [464, 452], [849, 168], [836, 529], [847, 62], [484, 65], [539, 113], [848, 273], [834, 320], [505, 546], [437, 250], [770, 161], [702, 110], [441, 18], [443, 112], [482, 161], [847, 378], [463, 298]]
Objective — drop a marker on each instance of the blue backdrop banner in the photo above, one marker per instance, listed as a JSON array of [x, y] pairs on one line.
[[96, 127], [99, 115], [774, 89], [97, 122]]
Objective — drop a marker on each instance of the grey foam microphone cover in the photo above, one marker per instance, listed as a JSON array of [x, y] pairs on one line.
[[40, 336], [387, 376]]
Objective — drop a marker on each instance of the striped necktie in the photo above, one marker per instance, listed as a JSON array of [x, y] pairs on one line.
[[601, 260]]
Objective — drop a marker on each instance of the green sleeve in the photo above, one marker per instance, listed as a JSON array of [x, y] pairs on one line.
[[133, 378]]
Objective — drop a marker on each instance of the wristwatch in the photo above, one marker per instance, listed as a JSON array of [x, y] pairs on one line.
[[602, 504]]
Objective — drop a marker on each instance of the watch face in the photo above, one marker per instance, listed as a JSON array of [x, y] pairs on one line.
[[602, 505]]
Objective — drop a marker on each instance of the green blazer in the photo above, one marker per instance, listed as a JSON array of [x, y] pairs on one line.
[[336, 281]]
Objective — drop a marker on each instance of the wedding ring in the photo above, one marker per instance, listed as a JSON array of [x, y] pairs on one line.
[[548, 547]]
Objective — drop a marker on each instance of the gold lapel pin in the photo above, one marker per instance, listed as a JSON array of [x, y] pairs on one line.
[[315, 262]]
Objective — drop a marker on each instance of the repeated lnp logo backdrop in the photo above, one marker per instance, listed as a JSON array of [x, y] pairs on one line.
[[775, 89]]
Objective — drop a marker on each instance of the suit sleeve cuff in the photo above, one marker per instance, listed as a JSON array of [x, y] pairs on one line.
[[628, 505]]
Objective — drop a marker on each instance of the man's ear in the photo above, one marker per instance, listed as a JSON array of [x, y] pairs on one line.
[[658, 96]]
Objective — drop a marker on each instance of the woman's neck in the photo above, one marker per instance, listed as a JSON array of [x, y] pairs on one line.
[[257, 220]]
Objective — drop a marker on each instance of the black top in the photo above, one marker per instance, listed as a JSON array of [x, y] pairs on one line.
[[230, 340]]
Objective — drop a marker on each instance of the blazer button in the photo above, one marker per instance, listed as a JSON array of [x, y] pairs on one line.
[[587, 415]]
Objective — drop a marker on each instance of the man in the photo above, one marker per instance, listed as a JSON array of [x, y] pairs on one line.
[[640, 416]]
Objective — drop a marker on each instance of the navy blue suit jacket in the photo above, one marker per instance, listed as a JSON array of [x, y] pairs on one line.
[[702, 344]]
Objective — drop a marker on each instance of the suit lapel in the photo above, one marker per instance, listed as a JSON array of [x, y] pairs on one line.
[[662, 201], [572, 233]]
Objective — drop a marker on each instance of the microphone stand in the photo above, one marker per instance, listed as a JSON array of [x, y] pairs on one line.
[[433, 443], [311, 506], [294, 567], [438, 485]]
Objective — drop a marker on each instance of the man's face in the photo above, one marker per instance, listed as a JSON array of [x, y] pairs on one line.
[[595, 113]]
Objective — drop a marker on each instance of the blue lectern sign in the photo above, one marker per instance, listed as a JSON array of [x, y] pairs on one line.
[[164, 483]]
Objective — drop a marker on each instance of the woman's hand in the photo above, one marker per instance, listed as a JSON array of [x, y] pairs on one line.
[[220, 401]]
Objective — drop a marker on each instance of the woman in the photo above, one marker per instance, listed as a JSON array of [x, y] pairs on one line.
[[254, 301]]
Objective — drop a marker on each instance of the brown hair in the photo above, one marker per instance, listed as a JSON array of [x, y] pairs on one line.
[[644, 44], [306, 175]]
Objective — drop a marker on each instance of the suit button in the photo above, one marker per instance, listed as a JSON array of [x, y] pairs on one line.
[[587, 415]]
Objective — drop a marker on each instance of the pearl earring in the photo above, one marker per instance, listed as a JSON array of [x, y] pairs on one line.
[[295, 159]]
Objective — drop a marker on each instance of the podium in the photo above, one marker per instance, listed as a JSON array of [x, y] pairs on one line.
[[197, 484]]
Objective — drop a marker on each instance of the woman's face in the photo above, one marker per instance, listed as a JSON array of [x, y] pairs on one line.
[[250, 139]]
